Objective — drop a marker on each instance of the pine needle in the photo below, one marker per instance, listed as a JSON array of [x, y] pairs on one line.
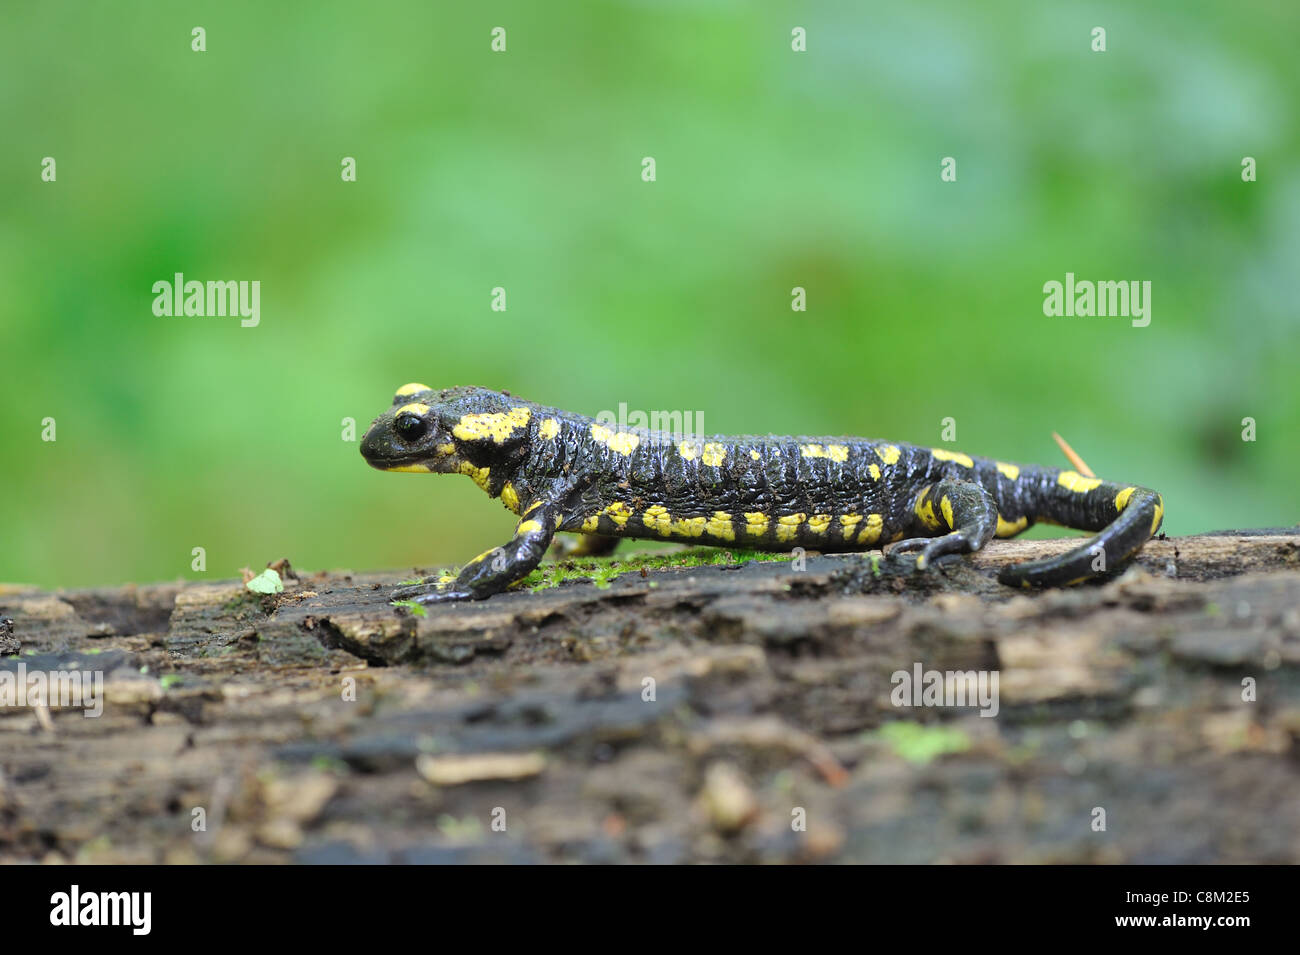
[[1077, 461]]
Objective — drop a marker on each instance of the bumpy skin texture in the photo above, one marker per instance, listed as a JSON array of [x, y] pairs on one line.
[[565, 472]]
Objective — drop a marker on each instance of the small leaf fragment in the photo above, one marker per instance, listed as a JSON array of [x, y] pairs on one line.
[[267, 582]]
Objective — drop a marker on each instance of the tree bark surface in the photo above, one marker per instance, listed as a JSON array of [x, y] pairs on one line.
[[745, 713]]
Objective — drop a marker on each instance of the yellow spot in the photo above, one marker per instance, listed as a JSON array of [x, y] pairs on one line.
[[888, 453], [480, 475], [532, 507], [849, 523], [689, 526], [414, 388], [1121, 499], [559, 519], [871, 529], [415, 408], [411, 468], [945, 505], [483, 556], [657, 518], [494, 425], [719, 525], [689, 450], [818, 523], [787, 528], [921, 562], [510, 497], [446, 449], [1076, 482], [941, 454], [549, 428], [714, 454], [591, 523], [898, 536], [755, 455], [874, 472], [528, 527], [924, 509], [619, 513], [836, 452], [1010, 470], [756, 523], [1159, 514], [1011, 528], [621, 442]]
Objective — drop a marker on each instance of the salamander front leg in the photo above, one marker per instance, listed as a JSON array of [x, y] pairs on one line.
[[962, 508], [493, 571]]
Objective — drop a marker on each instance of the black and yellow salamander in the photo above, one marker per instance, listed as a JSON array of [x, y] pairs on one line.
[[565, 472]]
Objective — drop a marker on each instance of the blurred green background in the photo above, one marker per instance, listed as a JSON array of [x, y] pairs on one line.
[[523, 170]]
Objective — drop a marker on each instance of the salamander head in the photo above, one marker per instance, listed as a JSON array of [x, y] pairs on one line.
[[455, 430]]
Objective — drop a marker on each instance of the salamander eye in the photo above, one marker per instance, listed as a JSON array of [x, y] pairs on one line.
[[411, 427]]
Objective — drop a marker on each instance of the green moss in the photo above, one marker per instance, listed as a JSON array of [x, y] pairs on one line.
[[467, 829], [919, 743], [411, 606], [242, 601], [602, 570]]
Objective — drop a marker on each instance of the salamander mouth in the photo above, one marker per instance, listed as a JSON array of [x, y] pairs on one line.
[[381, 451], [405, 462]]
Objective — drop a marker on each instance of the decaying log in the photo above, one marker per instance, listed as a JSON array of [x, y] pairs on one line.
[[719, 713]]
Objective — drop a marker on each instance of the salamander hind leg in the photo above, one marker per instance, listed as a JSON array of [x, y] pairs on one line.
[[587, 545], [962, 509]]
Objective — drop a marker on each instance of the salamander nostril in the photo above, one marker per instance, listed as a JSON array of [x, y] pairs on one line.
[[369, 451]]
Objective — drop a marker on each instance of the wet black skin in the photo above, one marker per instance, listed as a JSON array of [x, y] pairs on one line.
[[562, 481]]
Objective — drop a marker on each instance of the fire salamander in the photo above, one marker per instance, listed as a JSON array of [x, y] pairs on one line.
[[565, 472]]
